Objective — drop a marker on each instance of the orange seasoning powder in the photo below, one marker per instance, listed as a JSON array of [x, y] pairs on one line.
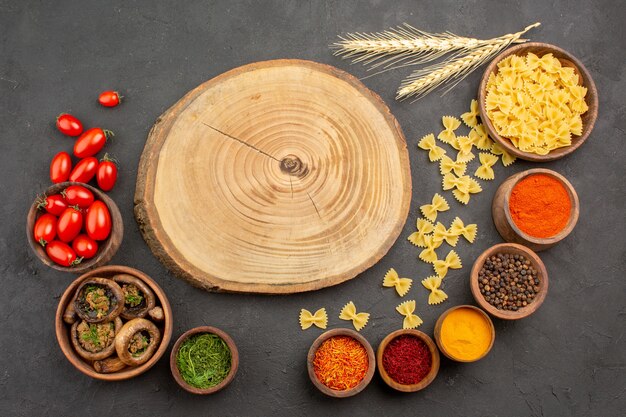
[[340, 363], [540, 205]]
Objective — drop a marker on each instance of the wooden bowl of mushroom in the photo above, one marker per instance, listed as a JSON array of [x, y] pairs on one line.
[[113, 323], [538, 102]]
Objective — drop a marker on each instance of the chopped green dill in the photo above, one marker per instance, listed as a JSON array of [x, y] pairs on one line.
[[133, 299], [204, 360], [92, 335]]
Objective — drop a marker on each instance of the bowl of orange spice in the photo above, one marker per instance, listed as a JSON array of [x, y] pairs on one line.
[[536, 208], [341, 363]]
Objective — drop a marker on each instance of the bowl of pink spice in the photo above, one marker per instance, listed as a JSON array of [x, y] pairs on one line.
[[536, 208]]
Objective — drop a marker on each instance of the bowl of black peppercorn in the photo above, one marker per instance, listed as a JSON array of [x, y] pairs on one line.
[[509, 281]]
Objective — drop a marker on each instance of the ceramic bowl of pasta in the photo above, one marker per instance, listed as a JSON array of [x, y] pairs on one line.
[[538, 102], [113, 323]]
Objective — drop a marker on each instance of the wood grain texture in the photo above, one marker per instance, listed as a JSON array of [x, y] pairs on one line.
[[275, 177], [506, 226], [567, 60]]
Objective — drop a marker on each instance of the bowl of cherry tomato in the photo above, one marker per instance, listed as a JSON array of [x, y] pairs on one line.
[[74, 227]]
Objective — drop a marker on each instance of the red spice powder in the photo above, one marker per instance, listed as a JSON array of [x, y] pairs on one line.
[[407, 359], [540, 205], [341, 363]]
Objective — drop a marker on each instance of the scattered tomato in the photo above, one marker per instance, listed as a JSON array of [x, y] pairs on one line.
[[110, 98], [84, 170], [107, 173], [91, 142], [69, 224], [60, 167], [54, 204], [61, 253], [84, 246], [98, 221], [77, 195], [45, 229], [69, 125]]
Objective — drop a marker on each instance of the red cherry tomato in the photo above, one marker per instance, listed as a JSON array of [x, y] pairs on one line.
[[61, 253], [98, 221], [60, 167], [77, 195], [69, 125], [84, 170], [110, 98], [69, 224], [107, 173], [91, 142], [84, 246], [45, 229], [54, 204]]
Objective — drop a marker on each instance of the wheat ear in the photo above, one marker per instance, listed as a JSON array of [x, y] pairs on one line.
[[458, 66]]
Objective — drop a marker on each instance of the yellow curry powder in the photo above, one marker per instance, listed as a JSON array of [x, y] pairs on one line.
[[465, 334]]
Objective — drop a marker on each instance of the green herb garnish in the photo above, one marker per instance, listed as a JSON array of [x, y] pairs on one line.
[[92, 335], [133, 299], [203, 360]]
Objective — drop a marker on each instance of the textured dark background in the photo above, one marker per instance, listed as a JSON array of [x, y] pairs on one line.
[[56, 56]]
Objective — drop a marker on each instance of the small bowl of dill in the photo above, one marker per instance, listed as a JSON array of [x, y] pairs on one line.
[[204, 360]]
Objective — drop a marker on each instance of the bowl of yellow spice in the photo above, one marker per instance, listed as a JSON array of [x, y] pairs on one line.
[[538, 101], [464, 333]]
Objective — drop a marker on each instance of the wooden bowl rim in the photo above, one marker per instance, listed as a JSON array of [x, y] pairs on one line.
[[591, 98], [537, 264], [370, 357], [434, 352], [106, 248], [62, 332], [440, 321], [571, 192], [234, 362]]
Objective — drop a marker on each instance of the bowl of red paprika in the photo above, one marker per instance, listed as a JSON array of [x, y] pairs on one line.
[[341, 363], [407, 360], [536, 208], [74, 227]]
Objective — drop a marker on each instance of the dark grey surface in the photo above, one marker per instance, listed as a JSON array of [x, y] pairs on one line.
[[567, 359]]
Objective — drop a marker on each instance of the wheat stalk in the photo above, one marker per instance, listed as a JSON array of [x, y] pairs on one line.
[[458, 66]]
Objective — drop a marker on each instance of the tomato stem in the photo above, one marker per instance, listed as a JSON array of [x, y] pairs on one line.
[[108, 133], [42, 242], [107, 158], [41, 202], [76, 261]]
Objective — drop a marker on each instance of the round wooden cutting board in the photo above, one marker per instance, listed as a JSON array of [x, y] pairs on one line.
[[275, 177]]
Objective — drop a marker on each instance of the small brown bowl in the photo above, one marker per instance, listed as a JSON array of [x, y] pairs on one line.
[[507, 227], [366, 379], [567, 60], [439, 323], [536, 262], [234, 363], [63, 330], [434, 352], [106, 248]]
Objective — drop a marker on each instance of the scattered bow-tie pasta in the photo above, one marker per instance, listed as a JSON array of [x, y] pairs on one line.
[[441, 233], [359, 320], [438, 204], [447, 135], [536, 102], [480, 138], [428, 254], [428, 143], [402, 285], [507, 158], [411, 321], [437, 295], [468, 232], [320, 319], [446, 164], [424, 227], [471, 117], [452, 261], [485, 170]]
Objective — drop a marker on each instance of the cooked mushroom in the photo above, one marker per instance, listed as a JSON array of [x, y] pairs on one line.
[[137, 341], [69, 316], [98, 300], [138, 297], [95, 341], [157, 314], [109, 365]]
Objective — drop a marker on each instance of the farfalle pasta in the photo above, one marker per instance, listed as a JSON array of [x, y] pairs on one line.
[[424, 227], [452, 261], [535, 102], [402, 285], [447, 135], [442, 234], [359, 320], [446, 164], [319, 319], [438, 204], [485, 170], [507, 158], [428, 254], [411, 321], [428, 143], [470, 118], [480, 138], [460, 229], [432, 284]]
